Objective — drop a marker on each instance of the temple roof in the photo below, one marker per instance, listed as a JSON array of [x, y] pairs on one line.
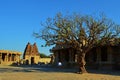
[[9, 51], [31, 49], [62, 46]]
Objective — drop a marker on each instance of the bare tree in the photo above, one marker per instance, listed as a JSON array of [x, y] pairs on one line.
[[83, 32]]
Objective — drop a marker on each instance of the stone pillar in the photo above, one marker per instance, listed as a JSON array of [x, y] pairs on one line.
[[110, 63], [14, 57], [60, 56], [56, 57], [7, 56], [10, 57], [0, 58], [98, 50], [109, 54], [30, 60], [71, 56], [76, 56], [17, 57]]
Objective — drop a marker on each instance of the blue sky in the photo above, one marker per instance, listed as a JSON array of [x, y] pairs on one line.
[[20, 18]]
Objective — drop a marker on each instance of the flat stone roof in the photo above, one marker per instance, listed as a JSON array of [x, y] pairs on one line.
[[9, 51], [61, 46]]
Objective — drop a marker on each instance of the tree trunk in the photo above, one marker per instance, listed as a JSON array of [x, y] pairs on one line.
[[81, 62]]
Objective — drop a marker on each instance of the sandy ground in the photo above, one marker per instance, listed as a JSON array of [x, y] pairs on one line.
[[41, 73]]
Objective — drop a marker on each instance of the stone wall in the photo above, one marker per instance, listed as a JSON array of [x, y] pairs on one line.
[[45, 60]]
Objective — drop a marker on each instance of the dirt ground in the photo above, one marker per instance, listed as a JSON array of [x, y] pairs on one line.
[[43, 73]]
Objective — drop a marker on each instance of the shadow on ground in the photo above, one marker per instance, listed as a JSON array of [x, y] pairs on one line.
[[34, 68], [38, 68], [106, 72]]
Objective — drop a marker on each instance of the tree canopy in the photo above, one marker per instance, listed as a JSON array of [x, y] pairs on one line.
[[79, 30]]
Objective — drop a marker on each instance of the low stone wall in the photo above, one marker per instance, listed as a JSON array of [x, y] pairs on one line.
[[45, 60], [9, 63]]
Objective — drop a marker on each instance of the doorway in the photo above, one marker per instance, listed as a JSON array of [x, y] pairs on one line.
[[32, 60]]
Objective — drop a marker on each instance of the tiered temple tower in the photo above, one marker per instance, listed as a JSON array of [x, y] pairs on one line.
[[31, 54]]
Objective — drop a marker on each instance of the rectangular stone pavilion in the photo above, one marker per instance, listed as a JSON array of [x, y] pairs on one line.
[[9, 57]]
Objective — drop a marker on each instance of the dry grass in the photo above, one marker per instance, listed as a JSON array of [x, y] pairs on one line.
[[30, 73]]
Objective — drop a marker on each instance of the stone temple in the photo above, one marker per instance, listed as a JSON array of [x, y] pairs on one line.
[[31, 54]]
